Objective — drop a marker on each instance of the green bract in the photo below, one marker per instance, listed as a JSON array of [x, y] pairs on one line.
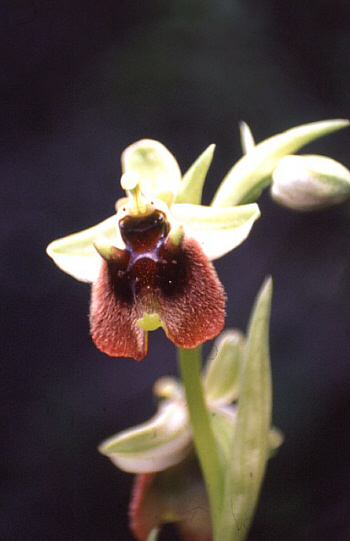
[[251, 442]]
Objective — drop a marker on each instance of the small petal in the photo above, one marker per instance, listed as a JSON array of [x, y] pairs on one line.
[[191, 302], [161, 442], [156, 168], [310, 182], [222, 370], [217, 230], [76, 254], [175, 495], [176, 235], [192, 182], [113, 315], [250, 174]]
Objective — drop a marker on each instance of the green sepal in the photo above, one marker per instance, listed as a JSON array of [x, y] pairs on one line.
[[258, 164], [76, 254], [192, 182], [155, 167], [152, 446], [217, 230]]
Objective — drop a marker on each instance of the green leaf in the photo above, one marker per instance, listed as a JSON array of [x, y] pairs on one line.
[[161, 442], [192, 182], [76, 255], [251, 445], [221, 379], [258, 164], [155, 167], [218, 230]]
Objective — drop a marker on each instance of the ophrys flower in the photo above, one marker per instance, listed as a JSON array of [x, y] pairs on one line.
[[149, 263]]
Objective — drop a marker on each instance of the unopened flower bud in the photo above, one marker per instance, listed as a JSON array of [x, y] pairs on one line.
[[310, 182]]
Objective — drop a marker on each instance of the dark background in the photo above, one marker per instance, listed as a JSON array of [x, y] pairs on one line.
[[81, 80]]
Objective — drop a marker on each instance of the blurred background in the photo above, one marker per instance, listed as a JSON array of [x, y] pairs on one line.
[[80, 81]]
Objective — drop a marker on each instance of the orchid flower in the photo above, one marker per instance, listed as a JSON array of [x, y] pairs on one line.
[[169, 485], [149, 264]]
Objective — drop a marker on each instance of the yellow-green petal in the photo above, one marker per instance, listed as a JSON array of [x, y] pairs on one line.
[[192, 182], [159, 443], [155, 167], [76, 254], [218, 230], [222, 370], [252, 170]]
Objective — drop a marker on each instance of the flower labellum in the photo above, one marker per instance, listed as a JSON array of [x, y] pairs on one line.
[[160, 273]]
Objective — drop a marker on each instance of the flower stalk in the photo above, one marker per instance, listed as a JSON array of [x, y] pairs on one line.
[[205, 444]]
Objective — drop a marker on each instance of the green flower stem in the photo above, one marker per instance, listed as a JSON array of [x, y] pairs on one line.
[[207, 452]]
